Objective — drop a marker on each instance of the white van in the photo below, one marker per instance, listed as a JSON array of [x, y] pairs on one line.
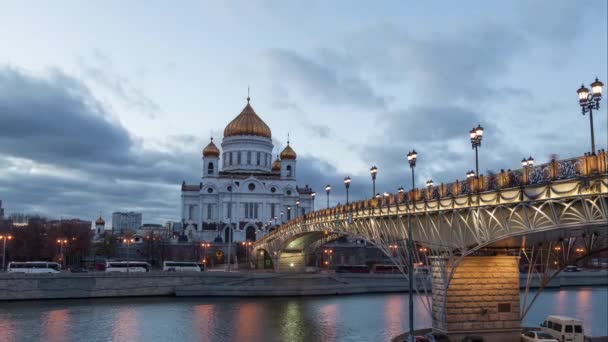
[[181, 266], [564, 329]]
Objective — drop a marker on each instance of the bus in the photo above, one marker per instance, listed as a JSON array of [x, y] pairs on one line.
[[181, 266], [33, 267], [127, 266]]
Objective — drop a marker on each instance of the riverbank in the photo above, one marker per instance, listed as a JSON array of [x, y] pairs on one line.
[[237, 284]]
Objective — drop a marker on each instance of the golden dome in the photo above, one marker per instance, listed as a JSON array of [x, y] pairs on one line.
[[211, 150], [276, 166], [247, 123], [288, 153], [100, 222]]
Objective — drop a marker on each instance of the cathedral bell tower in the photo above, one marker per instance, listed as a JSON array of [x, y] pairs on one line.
[[211, 157]]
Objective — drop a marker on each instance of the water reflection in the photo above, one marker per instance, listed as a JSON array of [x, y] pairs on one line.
[[203, 320], [55, 323], [248, 322], [125, 324], [344, 318], [394, 316]]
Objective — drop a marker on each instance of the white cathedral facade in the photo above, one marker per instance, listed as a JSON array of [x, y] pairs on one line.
[[242, 189]]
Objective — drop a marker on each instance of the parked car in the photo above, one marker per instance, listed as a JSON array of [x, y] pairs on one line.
[[537, 336], [571, 269], [78, 269], [437, 337], [472, 339]]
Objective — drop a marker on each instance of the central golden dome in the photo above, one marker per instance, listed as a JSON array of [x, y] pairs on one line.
[[247, 123]]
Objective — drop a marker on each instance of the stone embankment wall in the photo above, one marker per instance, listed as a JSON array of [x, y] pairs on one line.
[[91, 285]]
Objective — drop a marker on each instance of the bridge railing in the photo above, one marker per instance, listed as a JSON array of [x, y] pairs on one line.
[[542, 174]]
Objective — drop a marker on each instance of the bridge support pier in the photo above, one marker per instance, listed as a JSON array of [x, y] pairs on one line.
[[482, 297]]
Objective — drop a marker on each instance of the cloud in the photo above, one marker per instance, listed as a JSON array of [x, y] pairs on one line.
[[319, 81]]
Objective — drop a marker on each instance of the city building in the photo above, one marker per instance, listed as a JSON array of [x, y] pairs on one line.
[[123, 222], [1, 211], [242, 189]]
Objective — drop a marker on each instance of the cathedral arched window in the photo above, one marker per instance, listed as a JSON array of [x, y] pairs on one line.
[[238, 158], [288, 170], [210, 168], [248, 157]]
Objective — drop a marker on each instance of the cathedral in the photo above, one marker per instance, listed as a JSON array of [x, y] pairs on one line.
[[243, 193]]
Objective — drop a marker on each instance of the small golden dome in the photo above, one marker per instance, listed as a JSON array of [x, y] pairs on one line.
[[211, 150], [100, 222], [288, 153], [247, 123], [276, 166]]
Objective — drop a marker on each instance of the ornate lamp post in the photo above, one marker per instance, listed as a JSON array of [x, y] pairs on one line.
[[297, 207], [288, 213], [313, 195], [527, 165], [327, 190], [373, 171], [411, 159], [589, 102], [476, 134], [347, 185], [4, 238]]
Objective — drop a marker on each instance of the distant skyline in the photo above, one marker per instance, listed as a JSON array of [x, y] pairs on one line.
[[106, 106]]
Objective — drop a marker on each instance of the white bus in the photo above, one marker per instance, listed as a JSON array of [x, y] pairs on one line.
[[564, 328], [127, 266], [181, 266], [33, 267]]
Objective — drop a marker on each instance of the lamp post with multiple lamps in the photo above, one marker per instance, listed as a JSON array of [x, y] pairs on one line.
[[327, 190], [313, 195], [61, 243], [411, 159], [589, 102], [476, 134], [527, 165], [205, 245], [128, 241], [4, 238], [373, 171], [347, 185]]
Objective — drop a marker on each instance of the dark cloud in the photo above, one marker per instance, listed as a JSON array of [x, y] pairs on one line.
[[63, 154]]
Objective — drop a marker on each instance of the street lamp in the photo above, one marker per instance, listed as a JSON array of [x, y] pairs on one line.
[[128, 242], [328, 189], [62, 242], [313, 195], [281, 217], [4, 238], [373, 171], [527, 165], [347, 185], [476, 134], [589, 102], [411, 159], [297, 207], [205, 245], [288, 213], [470, 174], [329, 253]]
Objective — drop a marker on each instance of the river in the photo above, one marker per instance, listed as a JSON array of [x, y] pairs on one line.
[[371, 317]]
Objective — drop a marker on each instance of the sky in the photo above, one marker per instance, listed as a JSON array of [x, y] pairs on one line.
[[106, 106]]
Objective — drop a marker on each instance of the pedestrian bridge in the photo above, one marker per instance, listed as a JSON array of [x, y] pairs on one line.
[[465, 216]]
